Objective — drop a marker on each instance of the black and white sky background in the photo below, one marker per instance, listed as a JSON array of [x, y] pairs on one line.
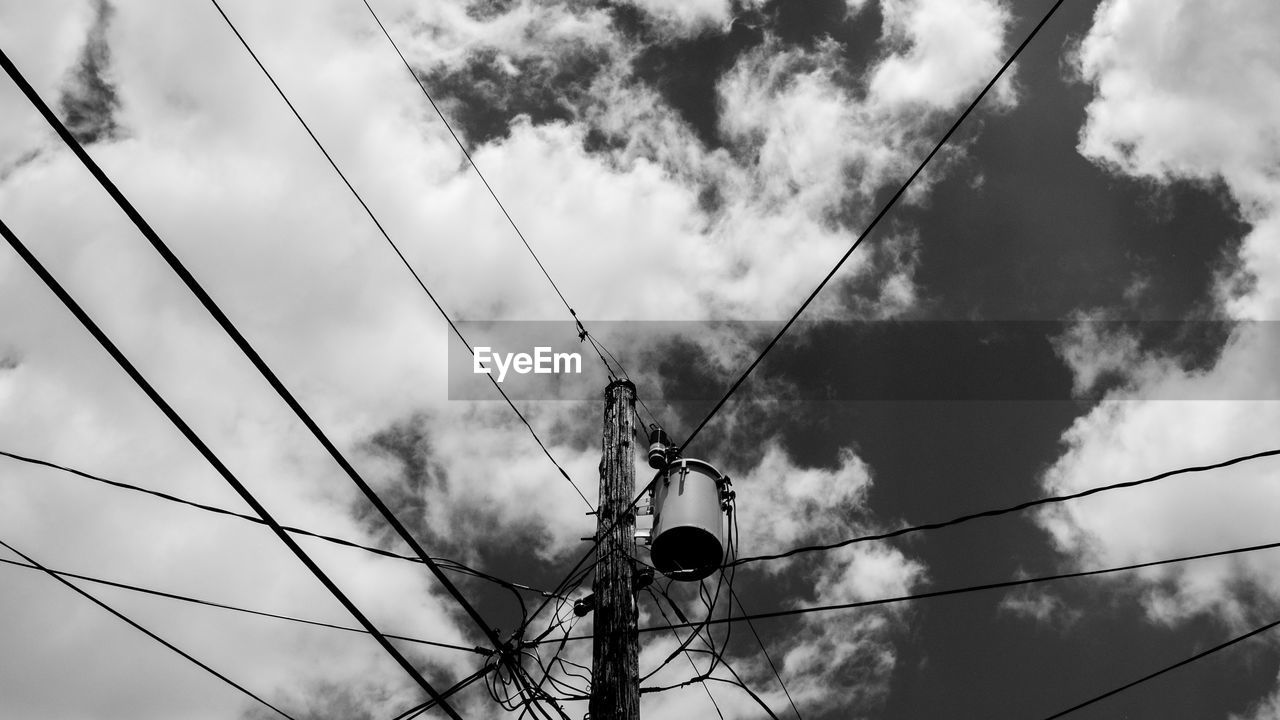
[[669, 160]]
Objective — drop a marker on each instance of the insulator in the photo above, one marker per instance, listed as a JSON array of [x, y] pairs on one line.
[[659, 446], [583, 606]]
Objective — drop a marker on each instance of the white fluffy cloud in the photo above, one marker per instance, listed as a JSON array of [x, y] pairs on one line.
[[688, 17], [948, 49]]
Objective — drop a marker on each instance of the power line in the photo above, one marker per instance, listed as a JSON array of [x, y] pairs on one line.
[[718, 657], [1161, 671], [736, 681], [1011, 509], [874, 222], [880, 215], [446, 563], [419, 709], [233, 608], [139, 628], [583, 333], [954, 591], [229, 327], [752, 626], [405, 261], [973, 516], [708, 600], [680, 641], [471, 161], [581, 328], [195, 440], [568, 584]]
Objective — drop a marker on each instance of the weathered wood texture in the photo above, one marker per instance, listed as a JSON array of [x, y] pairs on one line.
[[615, 693]]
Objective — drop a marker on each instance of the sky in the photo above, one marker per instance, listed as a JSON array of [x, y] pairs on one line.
[[1079, 290]]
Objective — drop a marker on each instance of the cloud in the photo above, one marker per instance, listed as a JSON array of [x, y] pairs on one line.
[[1266, 709], [1188, 95], [948, 50], [633, 214], [680, 18], [1182, 94], [829, 661], [1039, 605]]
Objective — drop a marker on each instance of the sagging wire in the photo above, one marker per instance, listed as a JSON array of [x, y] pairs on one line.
[[765, 651], [421, 708], [445, 563], [513, 687], [563, 685], [578, 573], [653, 419], [688, 656], [709, 599]]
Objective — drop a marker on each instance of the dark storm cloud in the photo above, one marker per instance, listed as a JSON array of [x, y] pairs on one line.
[[89, 101]]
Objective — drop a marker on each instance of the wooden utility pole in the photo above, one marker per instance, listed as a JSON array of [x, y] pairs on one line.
[[615, 663]]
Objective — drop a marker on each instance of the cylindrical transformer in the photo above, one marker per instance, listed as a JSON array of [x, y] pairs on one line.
[[688, 520]]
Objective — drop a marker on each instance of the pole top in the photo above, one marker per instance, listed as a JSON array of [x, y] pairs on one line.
[[622, 383]]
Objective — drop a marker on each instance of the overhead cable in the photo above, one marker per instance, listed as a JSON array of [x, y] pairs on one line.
[[1163, 670], [880, 215], [421, 708], [203, 448], [84, 593], [733, 597], [884, 210], [267, 373], [687, 653], [583, 334], [446, 563], [405, 261], [810, 609], [1055, 499], [233, 608]]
